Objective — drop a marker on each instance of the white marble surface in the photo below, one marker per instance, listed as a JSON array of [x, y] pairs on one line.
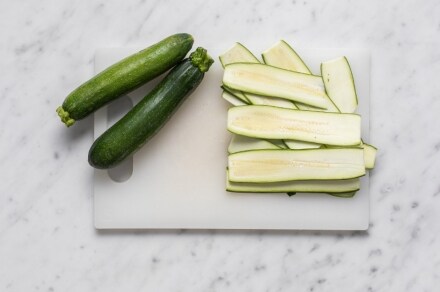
[[47, 239]]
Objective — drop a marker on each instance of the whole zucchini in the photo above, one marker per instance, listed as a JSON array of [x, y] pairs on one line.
[[124, 76], [150, 114]]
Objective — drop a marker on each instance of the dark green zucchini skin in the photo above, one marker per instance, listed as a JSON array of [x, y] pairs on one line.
[[145, 119], [124, 76]]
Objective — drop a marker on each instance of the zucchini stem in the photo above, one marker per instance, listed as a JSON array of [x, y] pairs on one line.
[[65, 117], [201, 59]]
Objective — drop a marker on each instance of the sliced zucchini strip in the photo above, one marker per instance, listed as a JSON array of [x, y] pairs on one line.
[[261, 166], [369, 155], [271, 81], [240, 54], [298, 145], [301, 186], [269, 122], [241, 143], [283, 56], [232, 99], [339, 84], [237, 54]]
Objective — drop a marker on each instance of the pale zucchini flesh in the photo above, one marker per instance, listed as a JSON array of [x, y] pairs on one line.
[[300, 186], [241, 143], [240, 54], [272, 101], [268, 122], [238, 94], [271, 81], [280, 173], [369, 155], [237, 54], [232, 99], [339, 84], [262, 166], [294, 144], [279, 143], [283, 56]]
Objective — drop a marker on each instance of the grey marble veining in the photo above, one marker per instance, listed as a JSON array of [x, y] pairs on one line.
[[47, 240]]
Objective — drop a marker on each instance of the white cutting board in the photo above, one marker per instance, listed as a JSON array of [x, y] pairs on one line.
[[178, 178]]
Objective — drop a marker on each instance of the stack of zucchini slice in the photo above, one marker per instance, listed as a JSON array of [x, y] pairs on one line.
[[292, 131]]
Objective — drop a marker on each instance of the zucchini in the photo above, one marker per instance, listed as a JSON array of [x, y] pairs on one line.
[[240, 54], [369, 155], [343, 195], [300, 186], [237, 54], [267, 100], [279, 143], [339, 84], [241, 143], [269, 122], [295, 144], [263, 166], [283, 56], [271, 81], [232, 99], [124, 76], [150, 114], [236, 93], [339, 195]]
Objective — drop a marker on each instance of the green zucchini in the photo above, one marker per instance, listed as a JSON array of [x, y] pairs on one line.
[[269, 122], [124, 76], [145, 119], [264, 166]]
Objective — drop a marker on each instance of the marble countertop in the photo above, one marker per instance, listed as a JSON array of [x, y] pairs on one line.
[[47, 238]]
